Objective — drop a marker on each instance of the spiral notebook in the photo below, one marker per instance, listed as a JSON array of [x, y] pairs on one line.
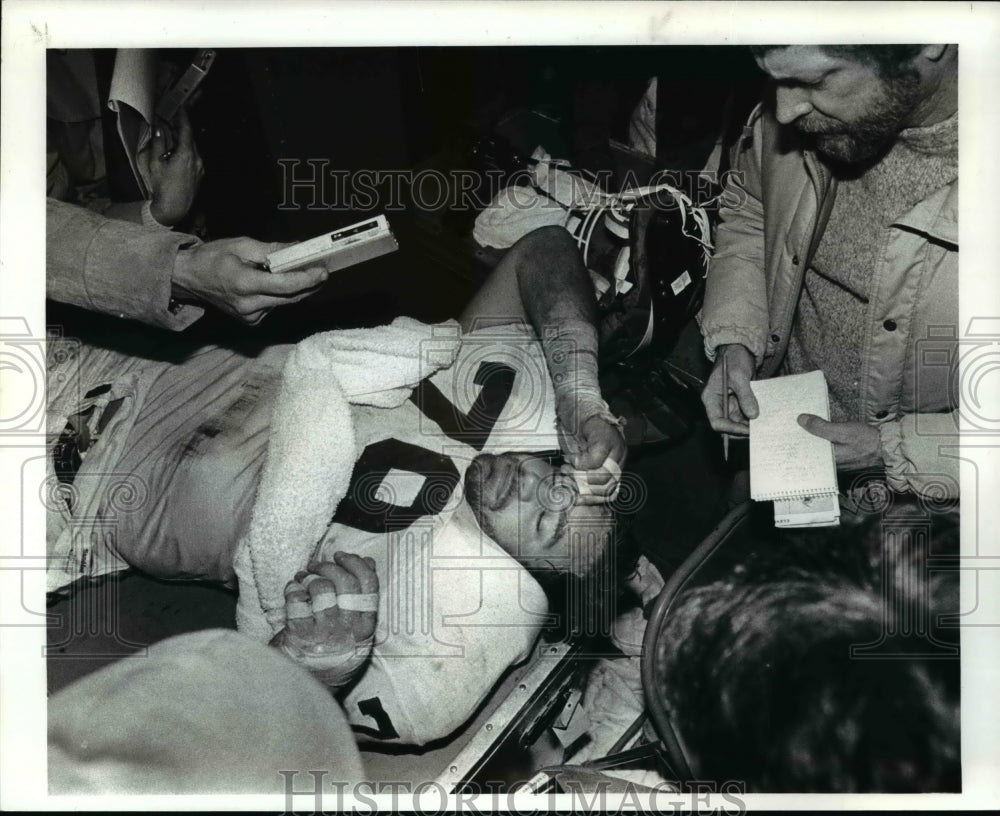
[[788, 465]]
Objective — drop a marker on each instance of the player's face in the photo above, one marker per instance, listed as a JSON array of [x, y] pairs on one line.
[[529, 508], [848, 111]]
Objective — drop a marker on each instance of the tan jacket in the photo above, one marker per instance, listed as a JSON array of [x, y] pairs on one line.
[[771, 225], [114, 267]]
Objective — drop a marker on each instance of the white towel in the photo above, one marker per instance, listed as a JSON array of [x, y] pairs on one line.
[[312, 449], [556, 198]]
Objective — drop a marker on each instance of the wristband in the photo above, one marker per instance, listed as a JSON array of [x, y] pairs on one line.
[[571, 354], [333, 669]]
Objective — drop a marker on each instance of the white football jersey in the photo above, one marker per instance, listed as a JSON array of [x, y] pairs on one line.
[[455, 611]]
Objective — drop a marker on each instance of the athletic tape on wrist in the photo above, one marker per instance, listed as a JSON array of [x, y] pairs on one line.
[[333, 669], [571, 355], [572, 358]]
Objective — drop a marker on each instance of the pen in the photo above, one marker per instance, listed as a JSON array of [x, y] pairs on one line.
[[725, 404]]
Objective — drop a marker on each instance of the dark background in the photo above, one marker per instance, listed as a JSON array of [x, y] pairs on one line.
[[411, 108]]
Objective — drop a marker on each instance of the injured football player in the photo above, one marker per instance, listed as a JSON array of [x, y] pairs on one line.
[[344, 459], [531, 508]]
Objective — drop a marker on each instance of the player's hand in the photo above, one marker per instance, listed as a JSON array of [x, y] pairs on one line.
[[596, 454], [741, 401], [856, 445], [172, 179], [330, 613], [228, 274]]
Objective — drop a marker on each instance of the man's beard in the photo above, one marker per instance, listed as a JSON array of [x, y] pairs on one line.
[[869, 136]]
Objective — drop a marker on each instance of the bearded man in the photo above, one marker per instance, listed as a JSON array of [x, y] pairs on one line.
[[837, 250]]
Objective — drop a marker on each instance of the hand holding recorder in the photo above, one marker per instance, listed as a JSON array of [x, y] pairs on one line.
[[230, 275], [238, 275]]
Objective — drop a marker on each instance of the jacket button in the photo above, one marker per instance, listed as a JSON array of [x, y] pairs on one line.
[[881, 415], [775, 338], [889, 325], [795, 260]]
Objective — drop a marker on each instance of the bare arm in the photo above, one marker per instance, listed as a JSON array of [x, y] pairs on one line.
[[542, 280]]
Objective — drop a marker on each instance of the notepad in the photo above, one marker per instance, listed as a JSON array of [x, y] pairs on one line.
[[788, 465]]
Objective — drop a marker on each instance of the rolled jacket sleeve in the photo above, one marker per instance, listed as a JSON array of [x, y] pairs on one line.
[[114, 267]]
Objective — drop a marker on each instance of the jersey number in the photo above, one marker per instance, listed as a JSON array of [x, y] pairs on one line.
[[363, 509]]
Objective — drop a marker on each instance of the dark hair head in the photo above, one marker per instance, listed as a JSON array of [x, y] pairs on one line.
[[790, 670], [889, 61]]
